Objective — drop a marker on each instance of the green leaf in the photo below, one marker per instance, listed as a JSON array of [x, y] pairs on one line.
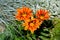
[[56, 30]]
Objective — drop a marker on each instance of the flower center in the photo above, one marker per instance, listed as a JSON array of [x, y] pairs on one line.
[[24, 15], [31, 23], [41, 16]]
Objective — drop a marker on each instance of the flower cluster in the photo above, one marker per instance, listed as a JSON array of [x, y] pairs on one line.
[[31, 23]]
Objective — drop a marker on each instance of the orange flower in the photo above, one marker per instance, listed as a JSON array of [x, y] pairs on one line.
[[42, 14], [32, 24], [23, 14]]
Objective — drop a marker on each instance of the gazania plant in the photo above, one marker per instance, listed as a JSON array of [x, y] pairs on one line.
[[30, 22], [29, 19]]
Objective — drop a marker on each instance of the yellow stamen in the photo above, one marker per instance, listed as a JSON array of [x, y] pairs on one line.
[[42, 17], [31, 24], [24, 15]]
